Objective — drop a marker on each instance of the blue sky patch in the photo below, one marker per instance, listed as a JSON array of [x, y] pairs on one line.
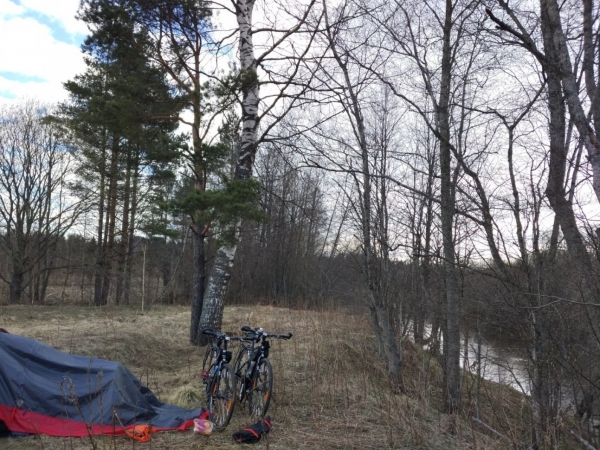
[[8, 95], [19, 77]]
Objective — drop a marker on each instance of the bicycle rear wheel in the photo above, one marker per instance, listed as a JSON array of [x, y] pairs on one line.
[[261, 391], [221, 398]]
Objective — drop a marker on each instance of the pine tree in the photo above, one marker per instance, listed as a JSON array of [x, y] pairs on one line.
[[123, 112]]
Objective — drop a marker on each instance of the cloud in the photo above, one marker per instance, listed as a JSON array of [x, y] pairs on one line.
[[9, 8], [29, 49], [62, 11], [15, 91], [33, 62]]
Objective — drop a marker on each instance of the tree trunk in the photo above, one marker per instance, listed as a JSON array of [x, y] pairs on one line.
[[16, 286], [122, 252], [559, 150], [100, 250], [394, 352], [199, 283], [452, 337], [111, 219], [377, 331], [132, 224], [214, 301], [559, 62], [426, 262]]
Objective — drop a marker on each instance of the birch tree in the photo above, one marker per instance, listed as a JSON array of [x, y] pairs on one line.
[[273, 49]]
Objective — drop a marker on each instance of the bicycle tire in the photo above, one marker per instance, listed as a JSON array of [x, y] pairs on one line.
[[221, 397], [241, 368], [261, 392], [207, 363]]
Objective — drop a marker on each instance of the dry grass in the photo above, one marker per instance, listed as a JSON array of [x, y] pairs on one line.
[[330, 386]]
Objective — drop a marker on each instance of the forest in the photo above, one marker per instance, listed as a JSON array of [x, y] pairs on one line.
[[431, 166]]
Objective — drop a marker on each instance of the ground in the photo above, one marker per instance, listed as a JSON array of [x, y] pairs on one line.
[[330, 385]]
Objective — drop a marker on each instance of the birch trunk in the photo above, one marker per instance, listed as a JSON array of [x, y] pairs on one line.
[[214, 299]]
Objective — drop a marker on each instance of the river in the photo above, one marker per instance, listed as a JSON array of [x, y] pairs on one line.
[[498, 364]]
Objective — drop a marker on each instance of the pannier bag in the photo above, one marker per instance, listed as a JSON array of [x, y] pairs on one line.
[[254, 433]]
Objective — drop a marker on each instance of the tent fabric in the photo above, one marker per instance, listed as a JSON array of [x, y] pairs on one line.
[[46, 391]]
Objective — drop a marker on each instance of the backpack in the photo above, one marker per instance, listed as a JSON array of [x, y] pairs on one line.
[[253, 433]]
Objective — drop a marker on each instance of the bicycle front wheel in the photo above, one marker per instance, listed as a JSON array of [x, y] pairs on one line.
[[221, 401], [261, 391]]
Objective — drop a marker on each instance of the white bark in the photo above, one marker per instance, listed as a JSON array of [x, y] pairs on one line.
[[214, 297], [216, 289], [251, 94]]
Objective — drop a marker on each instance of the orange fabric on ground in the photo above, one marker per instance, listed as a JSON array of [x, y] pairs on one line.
[[140, 432]]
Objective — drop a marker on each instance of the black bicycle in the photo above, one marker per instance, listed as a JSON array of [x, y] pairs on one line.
[[220, 379], [253, 369]]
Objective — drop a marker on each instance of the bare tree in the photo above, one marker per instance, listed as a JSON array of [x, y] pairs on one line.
[[356, 142], [36, 209], [414, 27]]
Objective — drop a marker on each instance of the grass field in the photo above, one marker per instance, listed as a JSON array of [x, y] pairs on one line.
[[330, 385]]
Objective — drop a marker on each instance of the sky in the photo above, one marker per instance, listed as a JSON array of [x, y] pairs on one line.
[[39, 49]]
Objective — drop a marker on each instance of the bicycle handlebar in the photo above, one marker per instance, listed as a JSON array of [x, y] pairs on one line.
[[260, 333], [244, 338], [215, 334]]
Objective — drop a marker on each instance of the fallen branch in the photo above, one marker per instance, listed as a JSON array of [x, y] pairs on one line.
[[583, 442], [498, 434]]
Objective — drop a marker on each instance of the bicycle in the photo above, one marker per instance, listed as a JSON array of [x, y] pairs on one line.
[[253, 369], [220, 380]]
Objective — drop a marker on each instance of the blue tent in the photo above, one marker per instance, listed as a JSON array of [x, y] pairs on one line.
[[45, 391]]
